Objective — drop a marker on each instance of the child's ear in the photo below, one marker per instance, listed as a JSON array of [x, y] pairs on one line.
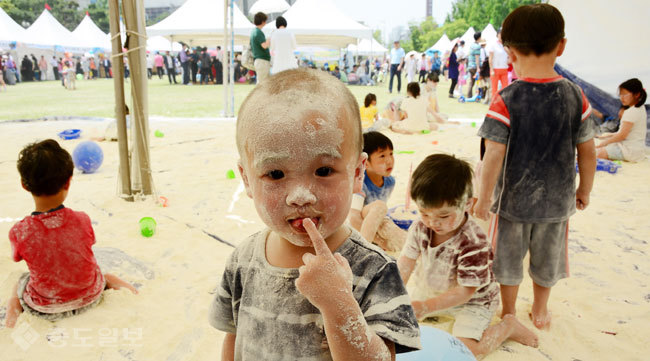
[[561, 46], [359, 173], [468, 204], [245, 179], [66, 186], [22, 184]]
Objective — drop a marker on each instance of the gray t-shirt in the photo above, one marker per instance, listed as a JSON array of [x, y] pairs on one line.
[[541, 121], [273, 321]]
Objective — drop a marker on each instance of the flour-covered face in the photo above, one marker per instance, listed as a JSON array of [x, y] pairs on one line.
[[446, 219], [305, 170]]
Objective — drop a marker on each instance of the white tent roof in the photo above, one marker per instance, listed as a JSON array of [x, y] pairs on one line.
[[443, 44], [200, 22], [321, 23], [269, 6], [91, 35], [160, 43], [603, 45], [47, 31], [367, 47], [489, 34], [9, 29], [468, 37]]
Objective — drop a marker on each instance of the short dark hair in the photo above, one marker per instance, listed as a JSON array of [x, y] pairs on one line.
[[635, 86], [433, 76], [441, 179], [477, 35], [44, 167], [280, 21], [414, 89], [536, 28], [259, 18], [369, 98], [375, 141]]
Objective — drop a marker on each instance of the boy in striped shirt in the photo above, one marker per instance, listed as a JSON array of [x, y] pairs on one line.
[[455, 275]]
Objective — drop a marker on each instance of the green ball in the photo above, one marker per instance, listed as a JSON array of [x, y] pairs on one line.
[[80, 76], [230, 174], [159, 134]]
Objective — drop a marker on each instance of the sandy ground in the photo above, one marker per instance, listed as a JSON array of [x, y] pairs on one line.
[[601, 313]]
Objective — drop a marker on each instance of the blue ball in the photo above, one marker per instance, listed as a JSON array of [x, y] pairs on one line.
[[87, 156], [438, 345]]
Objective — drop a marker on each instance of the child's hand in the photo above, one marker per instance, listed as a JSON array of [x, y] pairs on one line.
[[325, 277], [481, 209], [582, 199]]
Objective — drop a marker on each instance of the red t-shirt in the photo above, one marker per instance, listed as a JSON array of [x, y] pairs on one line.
[[63, 272]]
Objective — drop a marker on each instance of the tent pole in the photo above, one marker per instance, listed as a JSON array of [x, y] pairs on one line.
[[225, 73], [120, 106], [134, 22], [232, 58]]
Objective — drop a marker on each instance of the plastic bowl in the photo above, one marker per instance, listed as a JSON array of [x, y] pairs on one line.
[[401, 223], [70, 134]]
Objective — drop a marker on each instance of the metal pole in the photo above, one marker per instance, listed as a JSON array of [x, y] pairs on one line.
[[225, 73], [120, 105], [232, 58]]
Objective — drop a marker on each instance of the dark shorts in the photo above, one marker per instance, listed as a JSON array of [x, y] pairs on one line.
[[547, 243], [22, 283]]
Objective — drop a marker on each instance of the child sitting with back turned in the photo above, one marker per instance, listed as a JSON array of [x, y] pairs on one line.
[[308, 287], [368, 210], [55, 242], [531, 133], [455, 258]]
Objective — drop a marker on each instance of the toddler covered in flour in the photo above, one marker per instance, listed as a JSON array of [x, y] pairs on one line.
[[455, 275], [308, 287]]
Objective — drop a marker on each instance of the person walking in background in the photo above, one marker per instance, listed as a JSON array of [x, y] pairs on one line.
[[149, 65], [396, 62], [283, 43], [422, 67], [194, 64], [36, 69], [453, 70], [182, 56], [206, 65], [260, 48], [42, 65], [498, 59], [473, 62], [169, 65], [93, 67], [158, 63], [55, 67]]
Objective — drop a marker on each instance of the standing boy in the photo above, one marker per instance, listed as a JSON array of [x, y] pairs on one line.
[[308, 287], [531, 134], [455, 258]]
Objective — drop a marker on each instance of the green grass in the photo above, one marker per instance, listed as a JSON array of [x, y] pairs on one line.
[[95, 98]]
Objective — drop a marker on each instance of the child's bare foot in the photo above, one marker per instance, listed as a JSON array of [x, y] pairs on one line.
[[541, 319], [114, 282], [14, 309], [520, 333]]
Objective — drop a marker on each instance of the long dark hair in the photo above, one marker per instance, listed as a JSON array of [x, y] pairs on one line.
[[635, 86], [369, 98]]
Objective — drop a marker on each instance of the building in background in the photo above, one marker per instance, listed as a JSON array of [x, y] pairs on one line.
[[429, 8]]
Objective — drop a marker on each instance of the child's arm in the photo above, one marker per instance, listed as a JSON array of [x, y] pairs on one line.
[[228, 348], [621, 135], [326, 281], [492, 164], [405, 266], [587, 170], [453, 297]]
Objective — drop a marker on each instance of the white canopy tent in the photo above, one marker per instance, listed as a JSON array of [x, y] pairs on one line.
[[200, 22], [603, 45], [46, 31], [160, 43], [367, 47], [489, 34], [321, 23], [468, 37], [443, 44], [269, 7], [91, 35], [10, 31]]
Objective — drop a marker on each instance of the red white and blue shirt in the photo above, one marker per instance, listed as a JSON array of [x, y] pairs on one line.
[[541, 121]]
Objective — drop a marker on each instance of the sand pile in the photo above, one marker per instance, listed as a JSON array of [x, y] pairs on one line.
[[600, 313]]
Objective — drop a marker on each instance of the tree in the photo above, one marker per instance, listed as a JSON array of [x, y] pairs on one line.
[[98, 12], [67, 12], [377, 35], [479, 13]]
